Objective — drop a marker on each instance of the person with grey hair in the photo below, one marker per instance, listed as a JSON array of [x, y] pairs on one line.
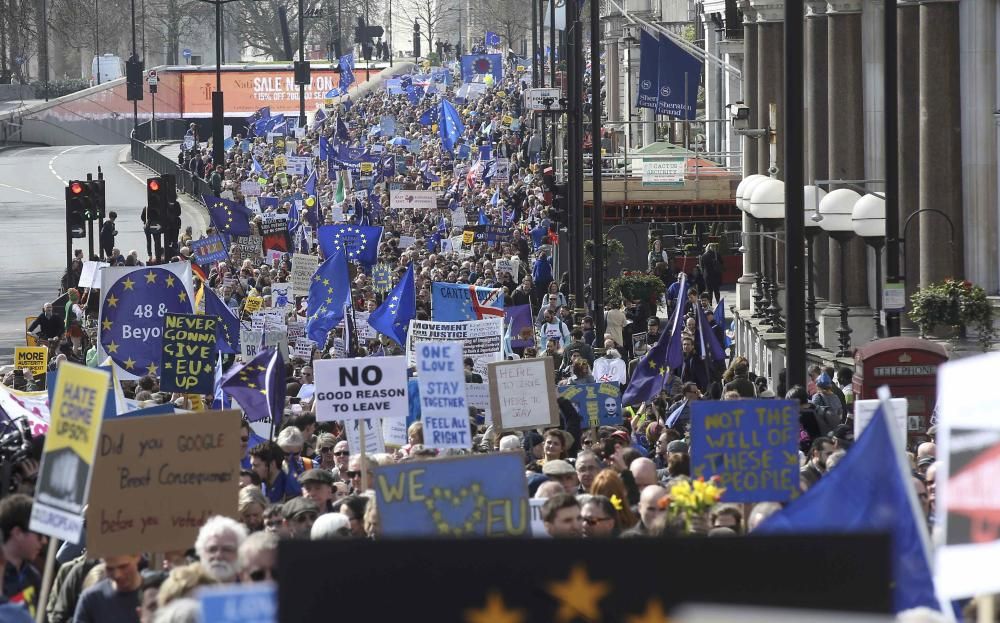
[[258, 557], [761, 511], [183, 610], [291, 442], [330, 526], [218, 545]]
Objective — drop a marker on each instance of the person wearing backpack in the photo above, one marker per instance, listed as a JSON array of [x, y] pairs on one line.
[[829, 408]]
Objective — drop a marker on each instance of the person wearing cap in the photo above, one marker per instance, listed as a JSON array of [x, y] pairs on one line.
[[829, 409], [562, 472], [678, 462], [317, 485], [299, 515]]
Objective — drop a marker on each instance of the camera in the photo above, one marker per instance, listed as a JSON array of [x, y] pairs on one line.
[[741, 115]]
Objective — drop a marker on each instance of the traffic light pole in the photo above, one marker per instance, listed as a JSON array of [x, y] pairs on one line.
[[302, 58], [597, 211], [574, 144], [218, 110]]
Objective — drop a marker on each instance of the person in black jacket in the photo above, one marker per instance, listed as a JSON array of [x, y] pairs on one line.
[[108, 233], [50, 325]]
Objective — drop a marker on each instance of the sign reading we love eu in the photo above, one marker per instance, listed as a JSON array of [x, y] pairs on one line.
[[483, 495]]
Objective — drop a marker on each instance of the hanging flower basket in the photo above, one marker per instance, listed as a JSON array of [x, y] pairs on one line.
[[953, 306]]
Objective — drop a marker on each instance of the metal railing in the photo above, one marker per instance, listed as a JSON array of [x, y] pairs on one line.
[[187, 182]]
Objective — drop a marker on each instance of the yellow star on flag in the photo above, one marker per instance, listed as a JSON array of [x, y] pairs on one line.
[[326, 282], [112, 348], [150, 277], [107, 324], [182, 295], [151, 368], [170, 281], [252, 385], [112, 301], [129, 363], [128, 283], [578, 596], [494, 611], [654, 613]]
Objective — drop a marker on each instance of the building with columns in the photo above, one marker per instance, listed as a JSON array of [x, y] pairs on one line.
[[947, 146]]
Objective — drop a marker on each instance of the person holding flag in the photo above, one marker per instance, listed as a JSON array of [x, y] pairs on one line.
[[329, 291]]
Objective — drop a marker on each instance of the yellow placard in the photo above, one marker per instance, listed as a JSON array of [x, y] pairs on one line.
[[502, 93], [468, 236], [253, 303], [34, 358], [521, 68], [367, 168], [77, 409], [280, 162], [507, 120]]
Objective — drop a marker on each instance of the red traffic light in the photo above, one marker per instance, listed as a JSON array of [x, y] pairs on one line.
[[154, 184], [76, 188]]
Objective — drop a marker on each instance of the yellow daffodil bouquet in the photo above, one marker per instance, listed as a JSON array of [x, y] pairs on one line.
[[690, 500]]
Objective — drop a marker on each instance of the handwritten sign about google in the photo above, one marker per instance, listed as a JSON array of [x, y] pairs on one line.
[[523, 395], [752, 445]]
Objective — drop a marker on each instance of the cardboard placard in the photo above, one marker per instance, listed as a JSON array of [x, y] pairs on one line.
[[303, 269], [34, 358], [68, 458], [158, 478], [365, 387], [523, 394]]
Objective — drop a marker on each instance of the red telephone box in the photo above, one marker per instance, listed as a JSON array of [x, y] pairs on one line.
[[909, 367]]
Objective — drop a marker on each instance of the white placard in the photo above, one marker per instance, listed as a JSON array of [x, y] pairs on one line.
[[458, 218], [482, 340], [504, 265], [478, 395], [394, 432], [250, 340], [864, 411], [90, 276], [282, 295], [296, 165], [304, 348], [303, 268], [537, 524], [349, 389], [523, 394], [407, 241], [373, 436], [250, 188], [968, 444], [253, 204], [413, 199], [443, 410]]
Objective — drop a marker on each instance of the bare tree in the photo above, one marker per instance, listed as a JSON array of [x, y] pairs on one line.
[[171, 18], [429, 14], [261, 30], [506, 17]]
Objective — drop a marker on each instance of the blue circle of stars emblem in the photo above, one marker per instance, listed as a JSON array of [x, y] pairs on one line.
[[132, 317], [353, 240]]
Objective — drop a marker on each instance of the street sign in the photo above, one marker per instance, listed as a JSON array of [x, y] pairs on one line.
[[542, 100], [186, 52], [152, 78]]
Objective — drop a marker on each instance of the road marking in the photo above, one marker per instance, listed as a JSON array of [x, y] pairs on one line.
[[30, 192], [53, 161], [122, 166]]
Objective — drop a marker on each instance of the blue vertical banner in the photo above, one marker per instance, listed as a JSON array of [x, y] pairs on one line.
[[751, 445], [679, 75], [649, 50]]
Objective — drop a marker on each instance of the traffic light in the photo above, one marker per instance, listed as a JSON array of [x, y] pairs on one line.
[[172, 221], [156, 209], [94, 193], [75, 209], [558, 210], [364, 33], [133, 79], [303, 74]]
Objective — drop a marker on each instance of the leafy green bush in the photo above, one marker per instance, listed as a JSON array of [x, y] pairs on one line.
[[958, 304], [58, 88]]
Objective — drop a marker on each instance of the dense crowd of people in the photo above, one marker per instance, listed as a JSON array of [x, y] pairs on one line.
[[307, 482]]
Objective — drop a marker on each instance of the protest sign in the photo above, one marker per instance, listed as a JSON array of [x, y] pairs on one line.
[[253, 304], [752, 445], [33, 358], [482, 340], [477, 396], [68, 457], [250, 188], [406, 241], [599, 404], [303, 269], [252, 203], [246, 248], [207, 250], [282, 295], [350, 389], [864, 411], [274, 230], [188, 353], [158, 478], [373, 435], [90, 276], [505, 265], [304, 348], [276, 337], [413, 199], [250, 341], [968, 455], [296, 165], [239, 603], [394, 432], [481, 495], [537, 523], [274, 256], [523, 394], [441, 379]]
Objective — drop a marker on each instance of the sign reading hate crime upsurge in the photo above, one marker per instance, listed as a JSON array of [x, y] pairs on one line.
[[752, 445], [366, 387]]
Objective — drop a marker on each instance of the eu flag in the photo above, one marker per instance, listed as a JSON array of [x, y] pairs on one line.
[[329, 291], [227, 333], [342, 133], [229, 217], [492, 39], [360, 242], [450, 125], [259, 386], [346, 72], [429, 116], [393, 317], [870, 491], [708, 342], [654, 367]]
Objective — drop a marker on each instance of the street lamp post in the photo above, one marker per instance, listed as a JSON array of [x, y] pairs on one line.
[[218, 110], [767, 206], [811, 199], [835, 217], [743, 193], [869, 223]]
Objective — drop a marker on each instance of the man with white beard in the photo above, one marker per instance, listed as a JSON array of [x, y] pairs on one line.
[[218, 545]]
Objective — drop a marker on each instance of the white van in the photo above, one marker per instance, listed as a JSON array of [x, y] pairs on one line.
[[111, 67]]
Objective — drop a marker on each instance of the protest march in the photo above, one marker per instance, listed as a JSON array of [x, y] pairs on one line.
[[370, 359]]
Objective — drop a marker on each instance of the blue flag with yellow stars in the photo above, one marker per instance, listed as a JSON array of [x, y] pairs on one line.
[[329, 291], [259, 386], [359, 241], [134, 304], [450, 125], [227, 334], [393, 317], [229, 217]]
